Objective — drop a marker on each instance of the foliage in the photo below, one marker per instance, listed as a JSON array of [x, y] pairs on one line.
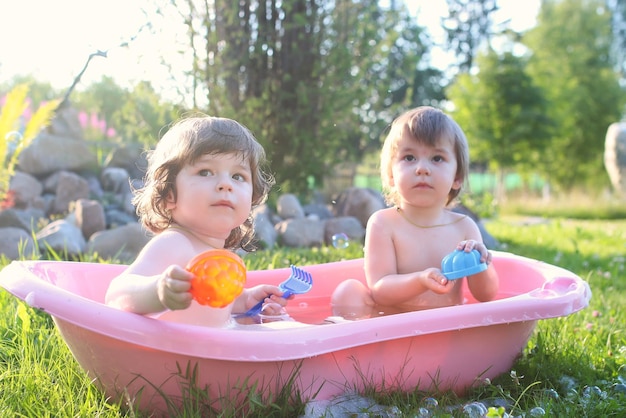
[[138, 115], [315, 80], [103, 98], [468, 25], [318, 82], [16, 134], [483, 204], [618, 25], [502, 112], [38, 92], [572, 63]]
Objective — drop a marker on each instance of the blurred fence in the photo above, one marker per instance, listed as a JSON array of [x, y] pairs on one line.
[[479, 182]]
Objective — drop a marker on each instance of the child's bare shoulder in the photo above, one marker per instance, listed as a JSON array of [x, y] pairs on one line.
[[161, 245], [465, 222], [382, 216]]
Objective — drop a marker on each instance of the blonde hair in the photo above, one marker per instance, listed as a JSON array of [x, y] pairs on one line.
[[428, 126], [184, 143]]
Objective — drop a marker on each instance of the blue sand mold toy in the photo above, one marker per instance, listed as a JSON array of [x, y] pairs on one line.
[[459, 264]]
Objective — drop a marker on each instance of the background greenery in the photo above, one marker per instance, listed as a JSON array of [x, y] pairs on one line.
[[318, 82]]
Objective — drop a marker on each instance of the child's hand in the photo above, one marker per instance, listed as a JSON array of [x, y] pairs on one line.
[[173, 288], [433, 279], [272, 295], [470, 244]]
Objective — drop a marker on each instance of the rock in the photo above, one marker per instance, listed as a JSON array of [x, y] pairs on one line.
[[16, 243], [26, 219], [123, 243], [127, 204], [46, 203], [348, 225], [70, 187], [89, 217], [131, 158], [49, 153], [95, 188], [264, 232], [115, 179], [615, 156], [320, 210], [288, 207], [116, 217], [66, 123], [26, 188], [359, 202], [63, 237], [301, 232]]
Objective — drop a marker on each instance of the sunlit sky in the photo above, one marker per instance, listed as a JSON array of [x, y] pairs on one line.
[[51, 39]]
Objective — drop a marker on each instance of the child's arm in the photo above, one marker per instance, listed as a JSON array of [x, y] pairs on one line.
[[155, 281], [150, 294]]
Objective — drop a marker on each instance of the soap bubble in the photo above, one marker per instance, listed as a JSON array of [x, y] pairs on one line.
[[591, 391], [551, 393], [430, 403], [567, 383], [13, 136], [537, 412], [340, 241], [475, 410], [424, 413], [619, 388], [12, 140]]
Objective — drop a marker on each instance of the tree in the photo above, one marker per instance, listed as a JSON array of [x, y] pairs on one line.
[[39, 92], [138, 116], [468, 26], [104, 97], [143, 116], [571, 61], [315, 80], [618, 23], [502, 113]]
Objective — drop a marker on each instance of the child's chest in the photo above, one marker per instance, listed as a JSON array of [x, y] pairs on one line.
[[419, 249]]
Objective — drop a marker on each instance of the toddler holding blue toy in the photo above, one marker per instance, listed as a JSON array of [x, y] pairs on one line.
[[424, 164]]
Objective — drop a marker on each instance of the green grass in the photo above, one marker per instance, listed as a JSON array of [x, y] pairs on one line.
[[581, 356], [572, 367], [576, 205]]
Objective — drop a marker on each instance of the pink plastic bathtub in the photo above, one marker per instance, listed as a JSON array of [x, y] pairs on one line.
[[434, 350]]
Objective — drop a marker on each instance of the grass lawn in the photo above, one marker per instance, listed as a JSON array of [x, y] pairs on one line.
[[572, 367]]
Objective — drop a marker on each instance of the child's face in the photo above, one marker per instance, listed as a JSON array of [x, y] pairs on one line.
[[214, 195], [422, 174]]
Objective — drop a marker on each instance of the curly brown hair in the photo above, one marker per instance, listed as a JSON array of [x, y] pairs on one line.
[[184, 143]]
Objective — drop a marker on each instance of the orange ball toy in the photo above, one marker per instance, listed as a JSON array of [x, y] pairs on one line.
[[220, 276]]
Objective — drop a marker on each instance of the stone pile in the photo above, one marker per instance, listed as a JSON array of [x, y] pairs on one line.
[[60, 205], [63, 202], [73, 216]]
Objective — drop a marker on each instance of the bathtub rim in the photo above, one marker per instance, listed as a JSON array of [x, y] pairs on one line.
[[298, 342]]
